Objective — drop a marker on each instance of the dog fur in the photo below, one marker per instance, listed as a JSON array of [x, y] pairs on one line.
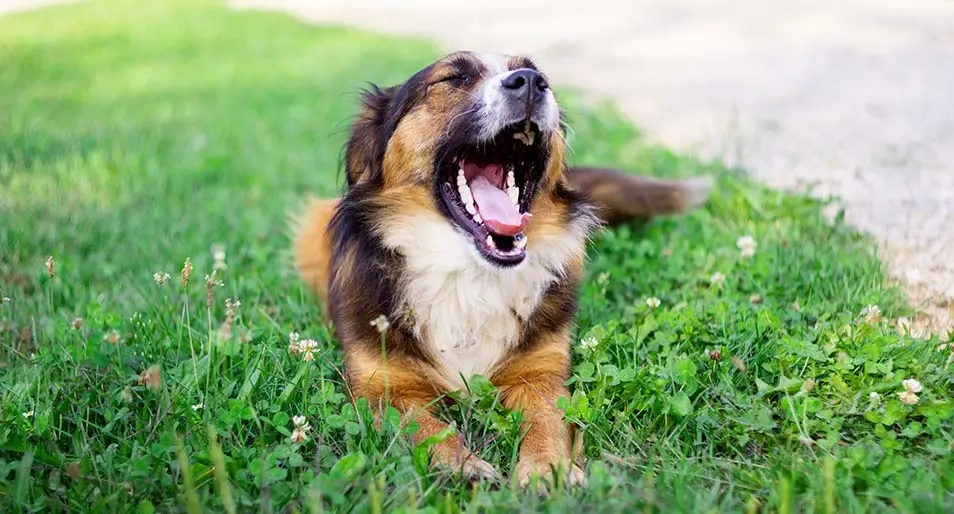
[[388, 247]]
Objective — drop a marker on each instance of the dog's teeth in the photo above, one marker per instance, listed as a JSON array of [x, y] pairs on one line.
[[520, 242], [490, 241], [461, 179], [514, 193], [477, 218], [469, 207], [511, 181], [465, 194]]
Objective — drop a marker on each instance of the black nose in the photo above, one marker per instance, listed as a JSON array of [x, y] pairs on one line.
[[525, 83]]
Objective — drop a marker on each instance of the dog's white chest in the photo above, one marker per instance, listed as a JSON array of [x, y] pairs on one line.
[[468, 312], [472, 317]]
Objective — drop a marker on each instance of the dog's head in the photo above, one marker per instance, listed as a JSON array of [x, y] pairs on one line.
[[478, 138]]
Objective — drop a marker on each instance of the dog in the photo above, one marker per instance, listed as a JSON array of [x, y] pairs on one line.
[[460, 240]]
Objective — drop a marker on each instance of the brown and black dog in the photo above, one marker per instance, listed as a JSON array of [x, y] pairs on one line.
[[464, 227]]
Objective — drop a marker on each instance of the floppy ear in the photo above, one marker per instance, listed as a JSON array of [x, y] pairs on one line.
[[365, 150], [381, 111]]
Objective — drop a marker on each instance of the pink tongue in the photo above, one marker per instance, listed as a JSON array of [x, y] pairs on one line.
[[498, 212]]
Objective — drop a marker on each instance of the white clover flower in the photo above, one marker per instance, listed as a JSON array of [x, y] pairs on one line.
[[911, 389], [589, 343], [381, 323], [308, 348], [747, 246], [871, 314], [717, 279], [908, 397], [160, 278], [298, 436], [653, 302], [912, 385]]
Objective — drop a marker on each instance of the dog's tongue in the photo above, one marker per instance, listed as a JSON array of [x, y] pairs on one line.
[[499, 214]]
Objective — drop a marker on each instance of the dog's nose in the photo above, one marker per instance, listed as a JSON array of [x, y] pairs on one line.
[[525, 83]]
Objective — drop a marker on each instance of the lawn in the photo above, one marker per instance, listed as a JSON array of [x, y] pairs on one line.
[[137, 135]]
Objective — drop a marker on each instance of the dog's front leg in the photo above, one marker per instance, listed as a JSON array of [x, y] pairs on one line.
[[412, 389], [532, 383]]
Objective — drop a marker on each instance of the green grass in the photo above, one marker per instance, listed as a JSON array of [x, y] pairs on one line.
[[135, 135]]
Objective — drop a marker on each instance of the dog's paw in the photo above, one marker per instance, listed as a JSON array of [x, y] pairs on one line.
[[476, 467], [470, 466], [544, 472]]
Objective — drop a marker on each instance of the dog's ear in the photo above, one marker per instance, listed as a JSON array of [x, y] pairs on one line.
[[365, 150], [381, 111]]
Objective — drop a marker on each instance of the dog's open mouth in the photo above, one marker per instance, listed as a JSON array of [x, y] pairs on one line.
[[487, 188]]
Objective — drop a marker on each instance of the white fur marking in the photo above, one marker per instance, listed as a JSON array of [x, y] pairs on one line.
[[468, 312]]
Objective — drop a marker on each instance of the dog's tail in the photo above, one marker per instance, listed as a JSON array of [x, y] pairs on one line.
[[621, 196], [312, 245]]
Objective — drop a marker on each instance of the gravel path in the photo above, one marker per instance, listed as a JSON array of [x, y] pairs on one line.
[[853, 96]]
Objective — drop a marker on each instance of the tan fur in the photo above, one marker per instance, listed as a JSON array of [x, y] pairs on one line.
[[313, 246], [532, 383]]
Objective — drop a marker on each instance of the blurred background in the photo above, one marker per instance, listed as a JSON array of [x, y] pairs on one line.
[[849, 97]]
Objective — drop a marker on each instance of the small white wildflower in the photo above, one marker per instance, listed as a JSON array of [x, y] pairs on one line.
[[871, 314], [5, 299], [293, 346], [308, 348], [199, 406], [808, 385], [874, 397], [589, 343], [301, 428], [746, 246], [381, 323], [28, 414], [160, 277], [151, 377], [112, 337], [717, 279], [912, 385], [218, 255], [904, 326], [908, 397], [653, 302], [298, 435]]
